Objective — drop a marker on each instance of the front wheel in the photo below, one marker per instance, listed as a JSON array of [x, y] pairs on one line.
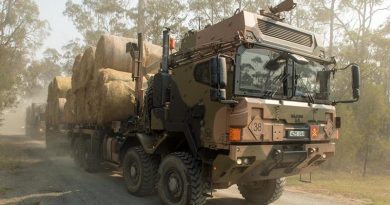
[[140, 172], [262, 192], [180, 180]]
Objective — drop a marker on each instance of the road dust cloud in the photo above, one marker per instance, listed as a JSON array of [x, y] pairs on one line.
[[14, 118]]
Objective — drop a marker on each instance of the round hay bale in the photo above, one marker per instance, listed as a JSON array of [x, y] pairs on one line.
[[76, 70], [153, 55], [116, 102], [91, 103], [80, 106], [59, 111], [85, 70], [69, 108], [107, 75], [111, 53], [60, 86], [76, 63]]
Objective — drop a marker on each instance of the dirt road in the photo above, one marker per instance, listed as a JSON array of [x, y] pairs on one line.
[[31, 177]]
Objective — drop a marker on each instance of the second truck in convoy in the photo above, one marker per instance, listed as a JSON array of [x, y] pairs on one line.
[[245, 101]]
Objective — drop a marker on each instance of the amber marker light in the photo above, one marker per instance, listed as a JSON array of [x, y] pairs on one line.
[[314, 131], [172, 43], [234, 134]]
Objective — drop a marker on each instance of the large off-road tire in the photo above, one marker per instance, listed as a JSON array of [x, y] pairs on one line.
[[77, 150], [180, 180], [49, 140], [262, 192], [140, 172], [89, 162]]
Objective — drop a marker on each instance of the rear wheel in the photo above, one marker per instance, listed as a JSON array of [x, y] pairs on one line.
[[140, 172], [77, 151], [262, 192], [90, 162], [180, 180]]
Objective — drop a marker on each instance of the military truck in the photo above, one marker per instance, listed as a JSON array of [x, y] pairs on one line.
[[35, 120], [245, 101]]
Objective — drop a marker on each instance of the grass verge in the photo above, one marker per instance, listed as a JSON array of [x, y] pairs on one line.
[[3, 190], [375, 188], [9, 160]]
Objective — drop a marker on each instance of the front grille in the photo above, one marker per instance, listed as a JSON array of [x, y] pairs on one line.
[[287, 34]]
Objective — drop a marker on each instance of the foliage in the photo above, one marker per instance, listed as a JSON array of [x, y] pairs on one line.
[[40, 72], [357, 189], [93, 18], [21, 32]]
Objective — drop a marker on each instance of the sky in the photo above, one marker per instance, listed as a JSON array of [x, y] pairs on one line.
[[62, 28]]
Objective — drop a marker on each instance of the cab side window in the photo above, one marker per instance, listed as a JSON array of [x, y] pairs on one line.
[[202, 72]]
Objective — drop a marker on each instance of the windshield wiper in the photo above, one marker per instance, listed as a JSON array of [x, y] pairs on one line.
[[278, 81], [309, 96]]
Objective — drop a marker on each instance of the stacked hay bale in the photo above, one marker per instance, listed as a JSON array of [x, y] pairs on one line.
[[57, 91], [70, 108], [102, 87]]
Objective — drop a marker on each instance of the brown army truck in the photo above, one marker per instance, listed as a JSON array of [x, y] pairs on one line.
[[35, 120], [245, 101]]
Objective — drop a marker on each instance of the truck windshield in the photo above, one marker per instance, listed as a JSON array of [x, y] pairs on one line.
[[255, 77], [310, 80], [265, 73]]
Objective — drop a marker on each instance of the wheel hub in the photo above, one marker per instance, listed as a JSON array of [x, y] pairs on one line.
[[133, 171], [174, 185]]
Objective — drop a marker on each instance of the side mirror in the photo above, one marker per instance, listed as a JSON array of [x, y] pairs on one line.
[[355, 81], [355, 70], [218, 81], [218, 72]]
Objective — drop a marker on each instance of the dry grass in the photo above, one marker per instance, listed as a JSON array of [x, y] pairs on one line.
[[3, 190], [17, 155], [8, 160], [373, 189]]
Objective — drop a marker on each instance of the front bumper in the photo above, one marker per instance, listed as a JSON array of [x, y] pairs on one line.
[[268, 161]]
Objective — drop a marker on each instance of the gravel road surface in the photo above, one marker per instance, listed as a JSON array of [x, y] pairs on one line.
[[42, 179]]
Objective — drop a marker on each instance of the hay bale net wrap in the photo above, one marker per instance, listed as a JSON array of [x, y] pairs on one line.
[[111, 53]]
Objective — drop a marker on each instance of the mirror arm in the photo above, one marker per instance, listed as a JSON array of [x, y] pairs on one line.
[[229, 102], [345, 101], [351, 64]]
